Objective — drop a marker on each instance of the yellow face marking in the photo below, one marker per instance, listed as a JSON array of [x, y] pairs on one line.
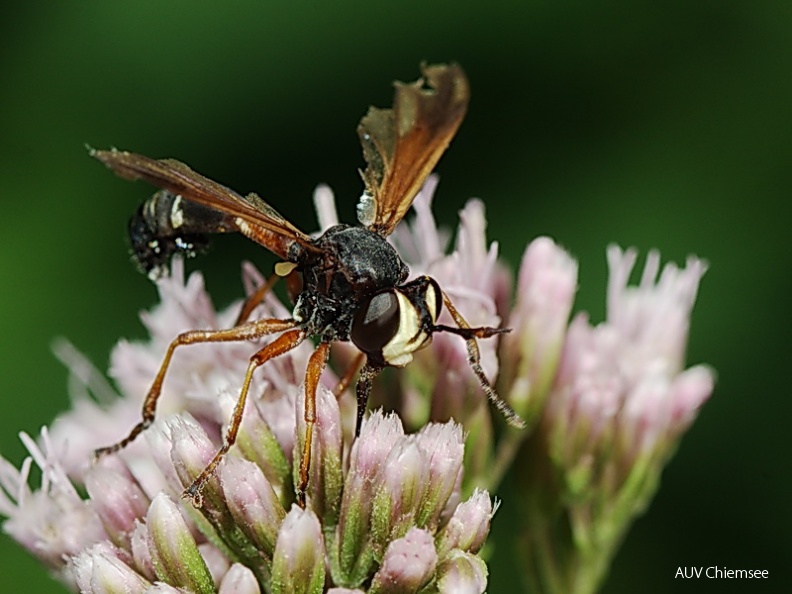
[[409, 337], [431, 301]]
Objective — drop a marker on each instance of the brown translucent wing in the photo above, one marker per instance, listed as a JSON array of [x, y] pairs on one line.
[[402, 145], [253, 217]]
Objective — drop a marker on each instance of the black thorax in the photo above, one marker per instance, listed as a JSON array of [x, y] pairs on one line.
[[351, 264]]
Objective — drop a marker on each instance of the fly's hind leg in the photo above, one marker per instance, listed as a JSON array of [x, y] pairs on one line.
[[248, 331], [254, 299]]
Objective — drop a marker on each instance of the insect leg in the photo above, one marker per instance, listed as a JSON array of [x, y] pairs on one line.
[[316, 365], [367, 375], [247, 331], [284, 343], [474, 359], [254, 299], [346, 379]]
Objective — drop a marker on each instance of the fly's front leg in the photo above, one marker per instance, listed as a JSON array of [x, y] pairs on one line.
[[277, 347], [474, 359], [316, 365], [248, 331], [367, 375]]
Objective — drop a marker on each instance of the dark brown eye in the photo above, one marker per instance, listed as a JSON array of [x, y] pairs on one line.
[[376, 322]]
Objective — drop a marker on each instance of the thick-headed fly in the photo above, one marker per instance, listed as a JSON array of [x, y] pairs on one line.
[[354, 284]]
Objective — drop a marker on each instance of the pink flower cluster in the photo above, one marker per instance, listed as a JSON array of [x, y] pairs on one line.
[[401, 508]]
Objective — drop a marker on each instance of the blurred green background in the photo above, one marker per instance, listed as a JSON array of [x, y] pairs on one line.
[[659, 125]]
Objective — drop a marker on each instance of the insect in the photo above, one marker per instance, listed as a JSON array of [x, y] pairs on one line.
[[354, 285]]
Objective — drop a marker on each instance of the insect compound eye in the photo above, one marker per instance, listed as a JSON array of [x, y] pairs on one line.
[[376, 322]]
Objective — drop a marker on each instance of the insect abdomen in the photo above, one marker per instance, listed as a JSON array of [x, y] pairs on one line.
[[166, 224]]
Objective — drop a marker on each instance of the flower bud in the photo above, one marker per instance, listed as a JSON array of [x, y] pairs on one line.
[[298, 566], [462, 573], [354, 557], [545, 290], [191, 452], [252, 502], [689, 391], [258, 443], [141, 554], [402, 485], [239, 580], [468, 527], [444, 447], [324, 203], [408, 564], [118, 499], [174, 552], [216, 562], [99, 570]]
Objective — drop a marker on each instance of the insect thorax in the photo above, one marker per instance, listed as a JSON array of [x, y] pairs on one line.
[[352, 263]]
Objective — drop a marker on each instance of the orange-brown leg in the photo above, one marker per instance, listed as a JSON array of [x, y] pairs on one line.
[[254, 299], [247, 331], [346, 379], [316, 365], [279, 346], [474, 360]]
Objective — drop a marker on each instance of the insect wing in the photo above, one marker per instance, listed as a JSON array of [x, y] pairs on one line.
[[253, 217], [402, 145]]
